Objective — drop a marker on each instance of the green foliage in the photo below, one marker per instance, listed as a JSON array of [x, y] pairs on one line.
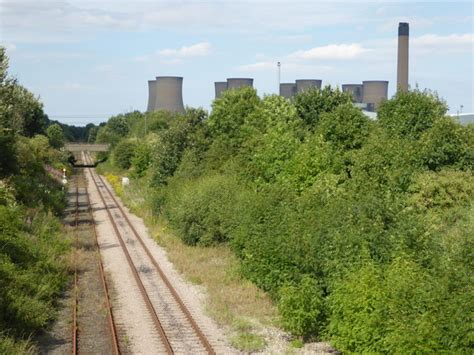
[[346, 127], [32, 270], [203, 211], [249, 342], [55, 136], [123, 154], [301, 307], [31, 274], [443, 190], [310, 104], [411, 113], [230, 111], [8, 159], [141, 159], [447, 143], [169, 146], [118, 125], [360, 230]]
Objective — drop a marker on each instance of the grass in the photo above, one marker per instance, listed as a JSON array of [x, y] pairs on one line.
[[233, 302], [248, 342]]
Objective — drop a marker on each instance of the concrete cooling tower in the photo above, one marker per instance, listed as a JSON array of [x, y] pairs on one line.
[[355, 90], [169, 94], [235, 83], [402, 62], [374, 92], [287, 90], [305, 84], [220, 86], [151, 95]]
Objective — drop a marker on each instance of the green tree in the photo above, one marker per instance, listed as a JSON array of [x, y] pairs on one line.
[[118, 125], [310, 104], [411, 113], [447, 143], [123, 154], [346, 127], [55, 135]]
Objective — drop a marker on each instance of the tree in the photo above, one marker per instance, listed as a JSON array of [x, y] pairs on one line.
[[411, 113], [118, 125], [230, 111], [55, 135], [346, 127], [310, 104], [447, 143], [123, 154]]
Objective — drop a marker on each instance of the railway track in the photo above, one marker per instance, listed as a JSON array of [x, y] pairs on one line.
[[176, 329], [83, 213]]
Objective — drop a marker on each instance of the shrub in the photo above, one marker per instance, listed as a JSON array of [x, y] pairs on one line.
[[55, 135], [123, 154], [301, 307], [310, 104], [447, 143], [141, 159], [411, 113], [203, 211]]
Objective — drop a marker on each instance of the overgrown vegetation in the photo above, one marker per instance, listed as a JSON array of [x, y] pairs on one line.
[[360, 230], [32, 272]]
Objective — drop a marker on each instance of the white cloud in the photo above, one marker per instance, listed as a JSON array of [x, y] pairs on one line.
[[259, 66], [196, 50], [332, 51], [453, 40]]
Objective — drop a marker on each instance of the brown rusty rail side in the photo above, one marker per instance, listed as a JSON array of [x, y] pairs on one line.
[[136, 276], [175, 295]]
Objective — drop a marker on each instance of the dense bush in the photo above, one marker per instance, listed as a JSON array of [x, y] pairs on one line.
[[123, 154], [360, 230], [32, 267], [203, 211]]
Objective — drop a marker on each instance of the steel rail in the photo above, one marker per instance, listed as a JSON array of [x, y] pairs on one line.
[[110, 317], [172, 290], [136, 276], [75, 301]]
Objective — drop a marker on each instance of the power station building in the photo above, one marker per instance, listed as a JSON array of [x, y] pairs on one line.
[[166, 93]]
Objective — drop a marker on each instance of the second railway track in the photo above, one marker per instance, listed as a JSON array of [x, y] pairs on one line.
[[175, 328], [93, 327]]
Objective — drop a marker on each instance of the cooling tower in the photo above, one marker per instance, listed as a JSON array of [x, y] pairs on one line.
[[151, 95], [235, 83], [355, 90], [374, 92], [287, 90], [220, 86], [169, 94], [305, 84], [402, 66]]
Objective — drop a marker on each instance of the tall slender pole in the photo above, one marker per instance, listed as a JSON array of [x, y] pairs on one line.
[[279, 76]]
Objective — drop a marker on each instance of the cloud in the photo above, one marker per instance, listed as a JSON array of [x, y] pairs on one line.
[[196, 50], [332, 51], [464, 41], [259, 66]]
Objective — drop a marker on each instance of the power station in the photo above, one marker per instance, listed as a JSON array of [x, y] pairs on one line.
[[166, 92]]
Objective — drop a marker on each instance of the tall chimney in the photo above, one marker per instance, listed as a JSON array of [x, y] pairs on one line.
[[402, 68]]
